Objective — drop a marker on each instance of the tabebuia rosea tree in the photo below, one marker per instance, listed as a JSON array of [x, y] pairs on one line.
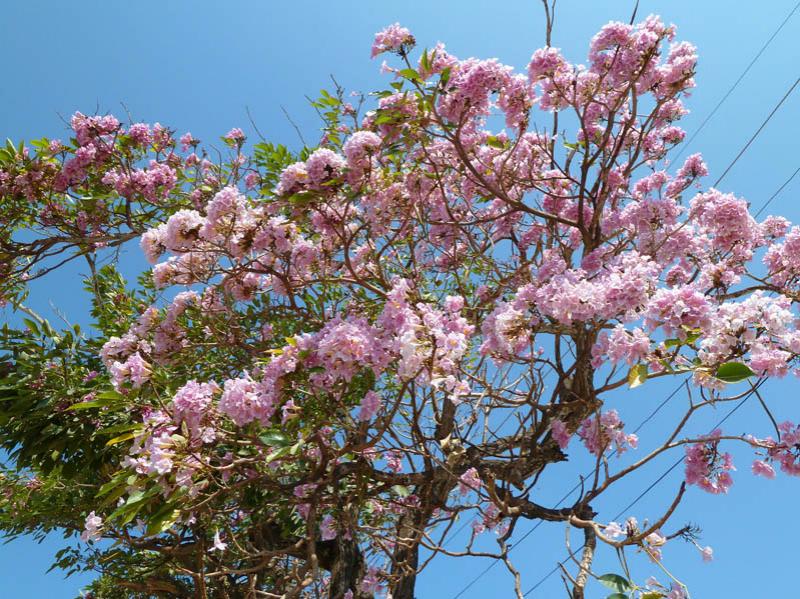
[[340, 358]]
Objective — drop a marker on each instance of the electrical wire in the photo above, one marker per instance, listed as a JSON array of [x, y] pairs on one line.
[[639, 497], [685, 145], [758, 131]]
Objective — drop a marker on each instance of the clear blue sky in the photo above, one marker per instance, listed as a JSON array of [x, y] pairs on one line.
[[197, 65]]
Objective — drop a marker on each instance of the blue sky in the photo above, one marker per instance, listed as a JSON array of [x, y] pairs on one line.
[[198, 65]]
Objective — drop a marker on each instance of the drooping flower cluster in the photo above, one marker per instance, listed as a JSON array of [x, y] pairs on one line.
[[706, 467], [601, 431]]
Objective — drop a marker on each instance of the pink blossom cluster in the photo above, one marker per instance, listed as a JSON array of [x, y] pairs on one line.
[[94, 135], [469, 482], [600, 431], [393, 38], [191, 403], [358, 151], [706, 467], [619, 290], [674, 308], [153, 183], [783, 259], [762, 324], [727, 219], [243, 401], [370, 405], [134, 370], [93, 528], [785, 452], [491, 519], [322, 169], [472, 84], [621, 345], [153, 450], [182, 230], [343, 347], [506, 330], [421, 334]]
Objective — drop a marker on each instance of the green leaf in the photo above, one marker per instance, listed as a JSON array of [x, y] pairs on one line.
[[106, 398], [275, 438], [119, 479], [637, 375], [615, 582], [733, 372], [410, 74], [692, 335], [121, 438], [617, 596], [121, 428], [401, 490], [386, 118], [87, 405], [494, 142], [652, 595], [32, 326], [424, 62], [278, 453], [163, 520]]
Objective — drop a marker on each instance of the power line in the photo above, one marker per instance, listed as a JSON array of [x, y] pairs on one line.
[[780, 189], [685, 145], [565, 497], [639, 497], [756, 134]]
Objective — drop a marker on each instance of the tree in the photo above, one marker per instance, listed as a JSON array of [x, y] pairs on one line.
[[350, 351]]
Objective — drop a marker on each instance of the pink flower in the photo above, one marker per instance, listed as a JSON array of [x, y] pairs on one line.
[[676, 592], [327, 528], [560, 433], [242, 401], [182, 230], [346, 346], [613, 530], [762, 468], [469, 481], [152, 243], [187, 141], [252, 180], [359, 148], [622, 345], [392, 39], [92, 530], [322, 166], [235, 135], [140, 134], [134, 370], [394, 461], [218, 544], [371, 583], [293, 179], [706, 467], [599, 432], [191, 402], [370, 405]]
